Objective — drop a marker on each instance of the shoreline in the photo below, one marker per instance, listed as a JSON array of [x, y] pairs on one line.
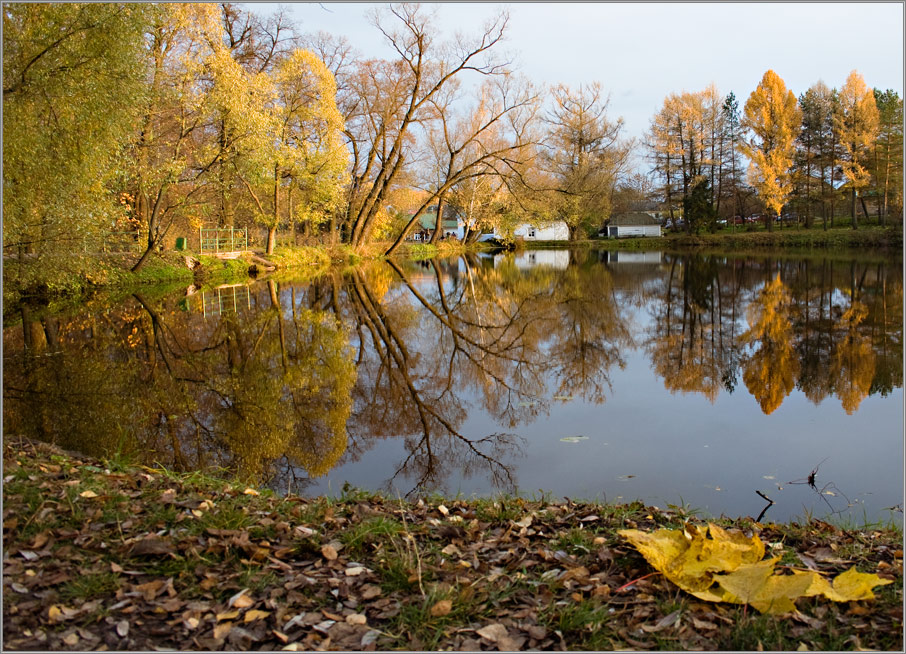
[[104, 554], [172, 268]]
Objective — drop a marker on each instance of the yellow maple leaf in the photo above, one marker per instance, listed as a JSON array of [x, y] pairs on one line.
[[756, 584], [689, 559], [692, 561], [852, 585]]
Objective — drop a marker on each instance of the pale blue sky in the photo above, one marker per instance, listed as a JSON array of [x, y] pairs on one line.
[[641, 52]]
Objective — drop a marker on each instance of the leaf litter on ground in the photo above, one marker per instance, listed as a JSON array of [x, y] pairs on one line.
[[213, 567]]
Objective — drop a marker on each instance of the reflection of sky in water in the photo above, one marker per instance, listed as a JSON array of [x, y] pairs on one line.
[[681, 448], [648, 443], [643, 441]]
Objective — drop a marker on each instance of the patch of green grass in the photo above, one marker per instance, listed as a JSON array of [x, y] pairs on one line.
[[89, 586], [583, 624], [500, 509], [181, 568], [575, 541], [369, 531], [227, 516], [257, 579], [418, 625]]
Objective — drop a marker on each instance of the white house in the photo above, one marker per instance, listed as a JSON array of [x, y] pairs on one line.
[[552, 231], [633, 224]]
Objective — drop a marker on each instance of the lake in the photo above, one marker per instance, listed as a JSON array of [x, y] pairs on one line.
[[706, 381]]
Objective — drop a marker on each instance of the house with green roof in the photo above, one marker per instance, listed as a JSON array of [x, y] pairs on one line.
[[452, 224]]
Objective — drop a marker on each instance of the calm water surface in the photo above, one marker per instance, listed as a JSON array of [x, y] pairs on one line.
[[673, 379]]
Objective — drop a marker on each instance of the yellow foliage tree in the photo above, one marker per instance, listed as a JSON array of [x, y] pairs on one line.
[[856, 126], [772, 117]]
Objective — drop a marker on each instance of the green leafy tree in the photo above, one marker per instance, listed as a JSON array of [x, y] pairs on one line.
[[72, 90], [887, 155]]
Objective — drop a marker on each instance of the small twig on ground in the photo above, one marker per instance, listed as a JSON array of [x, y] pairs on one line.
[[630, 583]]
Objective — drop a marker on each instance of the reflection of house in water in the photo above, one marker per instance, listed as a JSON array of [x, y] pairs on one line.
[[558, 259], [229, 298], [631, 257]]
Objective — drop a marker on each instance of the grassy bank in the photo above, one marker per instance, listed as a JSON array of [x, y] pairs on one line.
[[104, 555], [879, 239]]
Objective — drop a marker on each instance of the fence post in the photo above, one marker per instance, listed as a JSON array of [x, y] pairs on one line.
[[232, 248]]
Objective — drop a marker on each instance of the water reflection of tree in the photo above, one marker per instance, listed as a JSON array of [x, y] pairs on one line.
[[241, 391], [837, 348], [770, 371], [590, 334], [419, 395], [692, 344]]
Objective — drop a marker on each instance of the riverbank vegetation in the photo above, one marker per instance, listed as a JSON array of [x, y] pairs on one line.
[[150, 123], [103, 554]]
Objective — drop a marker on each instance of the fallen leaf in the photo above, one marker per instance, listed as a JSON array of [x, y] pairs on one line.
[[87, 494], [370, 591], [71, 639], [250, 491], [255, 614], [441, 608], [227, 615], [152, 546], [356, 619], [240, 600], [329, 552], [369, 637], [493, 632], [354, 571], [122, 628], [222, 630]]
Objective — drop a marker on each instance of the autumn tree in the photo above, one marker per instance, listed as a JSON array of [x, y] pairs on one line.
[[303, 151], [72, 92], [772, 117], [688, 146], [161, 172], [856, 126], [390, 98], [488, 139], [584, 156]]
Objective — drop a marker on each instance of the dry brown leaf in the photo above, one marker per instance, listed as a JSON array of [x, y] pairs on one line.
[[492, 632], [221, 630], [329, 552], [441, 608]]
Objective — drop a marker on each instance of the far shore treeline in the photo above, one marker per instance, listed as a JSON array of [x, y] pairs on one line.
[[156, 120]]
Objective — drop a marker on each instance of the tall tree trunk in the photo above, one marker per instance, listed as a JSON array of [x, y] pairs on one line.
[[439, 221], [153, 230], [864, 208], [853, 208]]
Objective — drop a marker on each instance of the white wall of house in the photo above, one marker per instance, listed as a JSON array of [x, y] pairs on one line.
[[558, 259], [555, 231], [622, 231]]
